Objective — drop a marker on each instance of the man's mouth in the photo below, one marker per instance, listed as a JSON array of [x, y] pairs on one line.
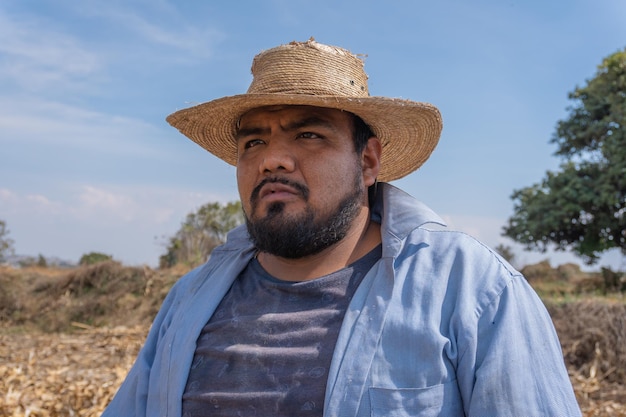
[[273, 189], [277, 190]]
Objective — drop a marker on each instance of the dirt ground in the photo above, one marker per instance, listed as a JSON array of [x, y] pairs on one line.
[[77, 374]]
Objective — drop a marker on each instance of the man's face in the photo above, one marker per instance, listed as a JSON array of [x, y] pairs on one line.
[[300, 179]]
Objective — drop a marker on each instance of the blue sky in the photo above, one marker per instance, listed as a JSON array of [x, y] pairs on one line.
[[88, 163]]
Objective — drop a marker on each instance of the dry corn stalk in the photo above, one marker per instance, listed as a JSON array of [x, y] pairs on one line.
[[51, 375]]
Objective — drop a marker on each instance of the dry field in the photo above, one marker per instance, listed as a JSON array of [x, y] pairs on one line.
[[593, 338], [53, 364], [64, 374]]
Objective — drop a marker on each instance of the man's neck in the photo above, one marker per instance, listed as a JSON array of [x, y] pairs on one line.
[[360, 240]]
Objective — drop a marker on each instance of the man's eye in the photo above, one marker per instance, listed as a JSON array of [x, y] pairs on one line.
[[309, 135], [251, 143]]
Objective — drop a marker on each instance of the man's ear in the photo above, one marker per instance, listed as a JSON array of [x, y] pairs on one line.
[[370, 160]]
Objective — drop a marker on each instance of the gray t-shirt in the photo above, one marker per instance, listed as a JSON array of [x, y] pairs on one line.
[[267, 348]]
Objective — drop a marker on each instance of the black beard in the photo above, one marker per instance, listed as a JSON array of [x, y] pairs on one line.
[[298, 236]]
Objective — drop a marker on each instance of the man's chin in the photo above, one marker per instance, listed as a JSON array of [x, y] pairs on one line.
[[278, 210]]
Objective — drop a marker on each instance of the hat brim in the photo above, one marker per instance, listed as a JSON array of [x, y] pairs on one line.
[[408, 130]]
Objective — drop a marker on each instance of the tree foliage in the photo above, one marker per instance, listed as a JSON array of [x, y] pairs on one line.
[[582, 207], [42, 262], [200, 233], [6, 243], [30, 261], [92, 258]]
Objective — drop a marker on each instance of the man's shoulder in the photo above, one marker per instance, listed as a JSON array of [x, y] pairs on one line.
[[415, 227], [455, 246], [456, 267]]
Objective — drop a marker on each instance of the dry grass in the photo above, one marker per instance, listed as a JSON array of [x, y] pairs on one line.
[[54, 375], [593, 336], [98, 295]]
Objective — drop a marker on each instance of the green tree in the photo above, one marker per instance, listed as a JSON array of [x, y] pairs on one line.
[[6, 243], [94, 258], [582, 207], [201, 232]]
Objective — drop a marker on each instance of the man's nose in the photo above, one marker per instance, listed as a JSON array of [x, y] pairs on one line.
[[277, 157]]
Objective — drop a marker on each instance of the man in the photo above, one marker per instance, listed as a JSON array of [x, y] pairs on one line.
[[342, 295]]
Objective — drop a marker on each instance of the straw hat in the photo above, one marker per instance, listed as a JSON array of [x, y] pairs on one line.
[[314, 74]]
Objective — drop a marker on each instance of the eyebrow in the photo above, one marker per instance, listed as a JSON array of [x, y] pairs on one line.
[[311, 121], [251, 131]]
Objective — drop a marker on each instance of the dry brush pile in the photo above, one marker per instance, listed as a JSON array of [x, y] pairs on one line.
[[593, 336], [68, 338], [50, 375]]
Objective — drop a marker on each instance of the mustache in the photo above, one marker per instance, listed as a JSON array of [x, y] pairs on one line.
[[301, 188]]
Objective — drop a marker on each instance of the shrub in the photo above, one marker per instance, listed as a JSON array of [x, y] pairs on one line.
[[92, 258]]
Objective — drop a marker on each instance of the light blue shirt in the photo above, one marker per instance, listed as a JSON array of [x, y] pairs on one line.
[[440, 326]]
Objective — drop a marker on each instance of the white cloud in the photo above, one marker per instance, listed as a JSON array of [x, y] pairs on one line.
[[13, 203], [42, 204], [99, 202], [36, 120], [40, 53], [157, 23], [48, 71], [188, 38], [127, 204], [7, 196], [37, 56]]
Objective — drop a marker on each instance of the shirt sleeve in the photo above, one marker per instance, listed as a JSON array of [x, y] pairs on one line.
[[513, 365]]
